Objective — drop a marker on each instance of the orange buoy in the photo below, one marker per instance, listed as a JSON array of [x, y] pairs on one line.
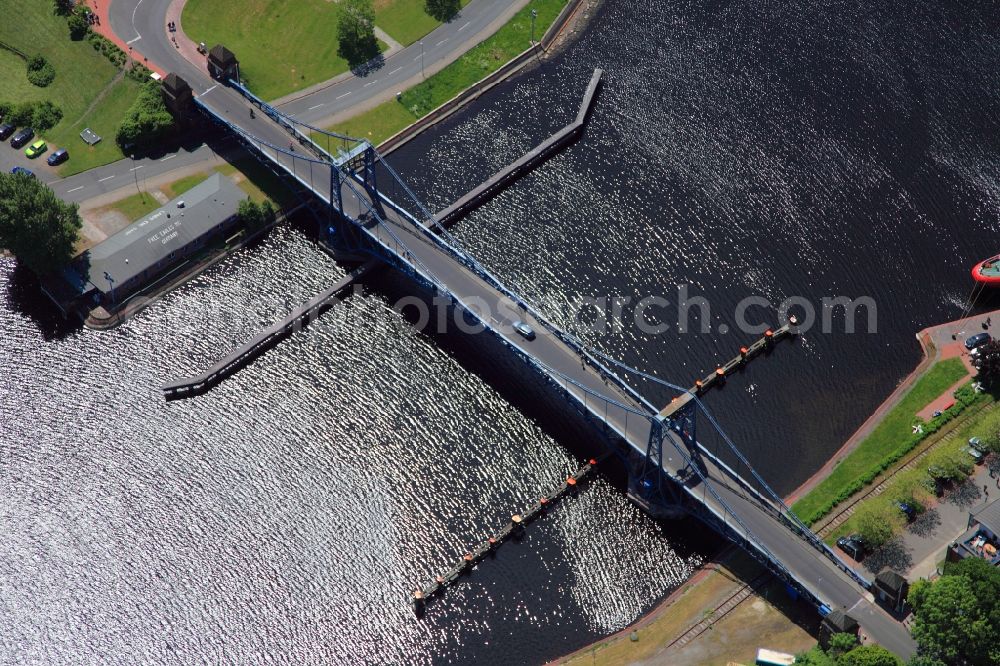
[[468, 557], [516, 519], [570, 481], [744, 351], [592, 462], [492, 541], [720, 372], [418, 595], [544, 500], [768, 333], [697, 383]]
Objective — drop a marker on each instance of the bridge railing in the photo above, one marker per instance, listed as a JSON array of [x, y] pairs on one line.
[[303, 131], [776, 505], [451, 245]]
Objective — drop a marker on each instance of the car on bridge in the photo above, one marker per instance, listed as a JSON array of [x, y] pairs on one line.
[[853, 545], [524, 330], [36, 149], [58, 157], [22, 137], [6, 130], [21, 170]]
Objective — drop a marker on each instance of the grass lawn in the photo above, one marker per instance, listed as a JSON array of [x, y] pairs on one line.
[[182, 185], [386, 119], [136, 206], [282, 46], [81, 75], [979, 422], [893, 431], [406, 21]]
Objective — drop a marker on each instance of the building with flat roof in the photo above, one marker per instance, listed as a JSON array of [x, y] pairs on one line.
[[134, 257]]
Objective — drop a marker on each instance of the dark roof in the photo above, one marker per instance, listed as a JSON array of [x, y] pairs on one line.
[[144, 243], [222, 55], [841, 621], [988, 516], [890, 580], [175, 84]]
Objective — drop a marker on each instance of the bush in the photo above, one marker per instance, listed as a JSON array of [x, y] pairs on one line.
[[45, 116], [442, 10], [147, 120], [62, 7], [40, 116], [256, 216], [108, 49], [40, 71], [78, 26]]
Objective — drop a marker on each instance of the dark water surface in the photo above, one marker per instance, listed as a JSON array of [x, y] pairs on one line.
[[773, 149]]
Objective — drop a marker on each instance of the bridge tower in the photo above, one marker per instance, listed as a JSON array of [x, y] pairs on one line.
[[650, 486]]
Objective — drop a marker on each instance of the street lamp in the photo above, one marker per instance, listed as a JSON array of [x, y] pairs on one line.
[[111, 281], [534, 15]]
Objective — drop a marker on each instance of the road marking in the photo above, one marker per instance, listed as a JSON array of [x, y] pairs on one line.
[[418, 57], [104, 179], [314, 107], [371, 83], [133, 41], [133, 20], [464, 26], [210, 90], [441, 42], [394, 71], [138, 167], [74, 189], [168, 157], [344, 95]]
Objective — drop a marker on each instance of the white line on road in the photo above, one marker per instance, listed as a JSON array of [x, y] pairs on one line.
[[371, 83], [344, 95], [138, 167], [210, 89], [168, 157], [133, 20], [315, 107], [418, 57], [394, 71], [133, 41], [464, 26], [74, 189], [441, 42], [101, 180]]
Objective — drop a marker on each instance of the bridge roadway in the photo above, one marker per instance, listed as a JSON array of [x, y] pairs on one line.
[[581, 376]]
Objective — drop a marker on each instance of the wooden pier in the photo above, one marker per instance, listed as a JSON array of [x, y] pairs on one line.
[[514, 529], [718, 376]]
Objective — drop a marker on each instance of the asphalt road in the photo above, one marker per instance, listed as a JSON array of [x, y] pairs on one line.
[[142, 24]]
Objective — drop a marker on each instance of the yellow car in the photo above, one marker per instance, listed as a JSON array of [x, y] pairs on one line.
[[36, 149]]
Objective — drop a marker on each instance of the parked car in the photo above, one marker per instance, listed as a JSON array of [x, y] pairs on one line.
[[22, 137], [36, 149], [21, 170], [977, 455], [907, 509], [977, 444], [853, 545], [5, 131], [524, 330], [977, 340], [58, 157]]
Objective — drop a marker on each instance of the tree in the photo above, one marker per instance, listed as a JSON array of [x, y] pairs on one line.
[[40, 71], [950, 623], [78, 26], [256, 215], [924, 660], [869, 655], [146, 121], [815, 657], [62, 7], [356, 31], [443, 10], [35, 225], [841, 643], [989, 362], [877, 521]]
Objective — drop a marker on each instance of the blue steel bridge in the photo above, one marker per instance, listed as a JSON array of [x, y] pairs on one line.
[[356, 194]]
